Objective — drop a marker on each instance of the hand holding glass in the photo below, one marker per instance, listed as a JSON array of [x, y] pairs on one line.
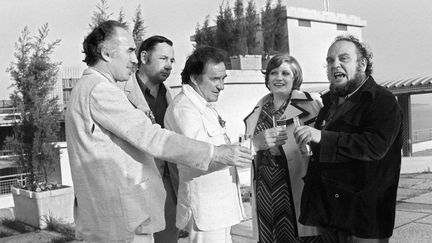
[[305, 150]]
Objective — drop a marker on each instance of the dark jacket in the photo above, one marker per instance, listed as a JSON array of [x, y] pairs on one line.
[[353, 174]]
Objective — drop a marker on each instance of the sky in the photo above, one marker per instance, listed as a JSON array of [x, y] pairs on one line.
[[399, 32]]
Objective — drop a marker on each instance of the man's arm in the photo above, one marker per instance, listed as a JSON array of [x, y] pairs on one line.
[[110, 108], [380, 127], [183, 118]]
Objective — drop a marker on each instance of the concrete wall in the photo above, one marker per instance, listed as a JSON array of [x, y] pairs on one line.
[[246, 62], [309, 45], [243, 89]]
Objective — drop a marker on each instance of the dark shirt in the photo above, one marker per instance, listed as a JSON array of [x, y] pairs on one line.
[[158, 104]]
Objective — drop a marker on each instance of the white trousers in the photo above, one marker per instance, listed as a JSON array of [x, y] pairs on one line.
[[214, 236], [143, 239]]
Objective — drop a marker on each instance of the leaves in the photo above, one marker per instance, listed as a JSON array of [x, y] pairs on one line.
[[204, 36], [235, 34], [274, 28], [121, 18], [101, 14], [34, 76], [138, 31]]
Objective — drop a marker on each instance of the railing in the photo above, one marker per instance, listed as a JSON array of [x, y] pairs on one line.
[[9, 180], [8, 110], [16, 179], [422, 135]]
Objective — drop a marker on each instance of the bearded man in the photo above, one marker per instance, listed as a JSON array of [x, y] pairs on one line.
[[351, 183]]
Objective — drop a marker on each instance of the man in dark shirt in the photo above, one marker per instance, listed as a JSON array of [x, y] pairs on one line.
[[146, 91]]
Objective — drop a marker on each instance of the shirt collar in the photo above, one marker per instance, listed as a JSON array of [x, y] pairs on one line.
[[364, 81], [145, 88], [106, 75], [196, 99]]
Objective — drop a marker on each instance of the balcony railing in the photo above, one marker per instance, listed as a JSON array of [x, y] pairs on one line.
[[422, 135], [7, 181]]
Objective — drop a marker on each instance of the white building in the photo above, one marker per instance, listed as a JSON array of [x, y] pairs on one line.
[[310, 33]]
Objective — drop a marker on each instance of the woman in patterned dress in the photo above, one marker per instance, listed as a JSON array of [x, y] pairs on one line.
[[278, 165]]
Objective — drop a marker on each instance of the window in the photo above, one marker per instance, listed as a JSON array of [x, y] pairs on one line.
[[342, 27], [304, 23]]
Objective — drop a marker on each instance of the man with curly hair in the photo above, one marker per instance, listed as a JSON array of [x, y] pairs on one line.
[[351, 183]]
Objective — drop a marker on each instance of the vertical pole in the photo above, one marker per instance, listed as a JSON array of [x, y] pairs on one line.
[[405, 103]]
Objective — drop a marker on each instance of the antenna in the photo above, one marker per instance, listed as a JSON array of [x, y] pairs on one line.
[[326, 4]]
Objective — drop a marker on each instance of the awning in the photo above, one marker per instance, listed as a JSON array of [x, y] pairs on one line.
[[418, 85]]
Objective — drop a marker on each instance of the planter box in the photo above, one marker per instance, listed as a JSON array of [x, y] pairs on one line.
[[32, 207], [246, 62]]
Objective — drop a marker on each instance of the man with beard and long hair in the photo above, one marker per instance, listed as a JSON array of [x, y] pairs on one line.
[[351, 183]]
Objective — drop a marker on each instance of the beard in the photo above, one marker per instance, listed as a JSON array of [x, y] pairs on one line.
[[350, 86]]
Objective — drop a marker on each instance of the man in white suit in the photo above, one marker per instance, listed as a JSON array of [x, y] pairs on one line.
[[209, 202], [146, 91], [112, 147]]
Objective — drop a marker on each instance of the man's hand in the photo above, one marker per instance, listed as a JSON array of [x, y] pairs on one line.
[[306, 134], [233, 155], [270, 138]]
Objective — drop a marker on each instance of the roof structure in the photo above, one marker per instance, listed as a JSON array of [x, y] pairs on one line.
[[418, 85]]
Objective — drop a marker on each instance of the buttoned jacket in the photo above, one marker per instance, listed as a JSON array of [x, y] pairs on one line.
[[111, 147], [306, 107], [353, 175], [212, 198]]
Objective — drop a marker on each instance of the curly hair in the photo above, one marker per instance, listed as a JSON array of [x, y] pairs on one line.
[[198, 59], [362, 49], [277, 60], [94, 41]]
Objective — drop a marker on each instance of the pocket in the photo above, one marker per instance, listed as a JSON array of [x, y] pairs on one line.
[[136, 205], [313, 211], [213, 130], [341, 201]]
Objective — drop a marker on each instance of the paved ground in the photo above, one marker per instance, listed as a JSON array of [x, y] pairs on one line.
[[413, 215]]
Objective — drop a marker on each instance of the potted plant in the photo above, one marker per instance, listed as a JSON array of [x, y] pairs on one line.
[[33, 142]]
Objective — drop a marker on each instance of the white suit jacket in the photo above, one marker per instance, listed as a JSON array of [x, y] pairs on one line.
[[212, 198], [111, 147], [306, 106]]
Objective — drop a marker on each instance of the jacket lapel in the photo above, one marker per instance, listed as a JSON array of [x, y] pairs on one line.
[[252, 119], [296, 106], [348, 105], [135, 95], [168, 94], [351, 102]]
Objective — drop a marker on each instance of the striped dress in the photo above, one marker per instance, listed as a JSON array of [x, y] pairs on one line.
[[275, 207]]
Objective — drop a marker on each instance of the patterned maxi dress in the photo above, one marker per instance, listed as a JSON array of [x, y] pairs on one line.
[[275, 207]]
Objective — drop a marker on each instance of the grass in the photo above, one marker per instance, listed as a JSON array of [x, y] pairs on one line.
[[5, 234], [17, 225], [56, 225]]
